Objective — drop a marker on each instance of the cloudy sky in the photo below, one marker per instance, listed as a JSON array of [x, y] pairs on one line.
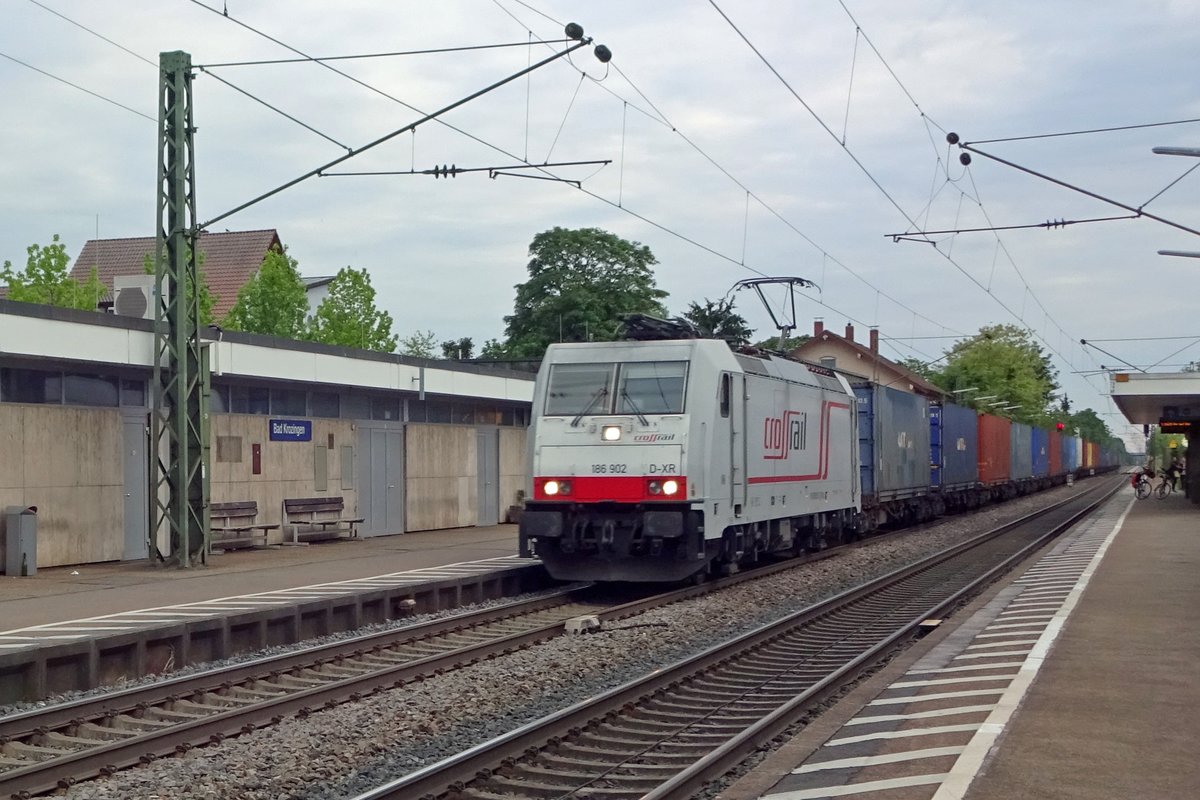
[[746, 138]]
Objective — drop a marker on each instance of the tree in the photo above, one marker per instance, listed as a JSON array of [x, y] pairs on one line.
[[348, 316], [47, 281], [207, 298], [458, 349], [717, 320], [921, 368], [581, 283], [274, 301], [787, 346], [1003, 361], [419, 345], [1090, 426]]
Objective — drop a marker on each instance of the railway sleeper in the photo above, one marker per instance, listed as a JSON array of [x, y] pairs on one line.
[[97, 732], [139, 724], [591, 767], [31, 752], [642, 779], [65, 741], [550, 792]]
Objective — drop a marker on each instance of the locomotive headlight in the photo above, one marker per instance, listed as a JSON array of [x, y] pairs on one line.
[[553, 488], [611, 433], [670, 487]]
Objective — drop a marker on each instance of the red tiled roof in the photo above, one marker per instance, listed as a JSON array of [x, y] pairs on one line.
[[229, 260], [920, 385]]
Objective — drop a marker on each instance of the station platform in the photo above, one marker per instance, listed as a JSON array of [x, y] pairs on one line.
[[71, 628], [1075, 678]]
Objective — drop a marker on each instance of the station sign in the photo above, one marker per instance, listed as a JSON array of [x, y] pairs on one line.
[[290, 430], [1173, 426]]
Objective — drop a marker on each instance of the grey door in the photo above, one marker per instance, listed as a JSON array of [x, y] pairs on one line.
[[488, 454], [382, 481], [136, 470]]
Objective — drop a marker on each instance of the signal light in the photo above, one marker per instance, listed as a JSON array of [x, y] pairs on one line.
[[1060, 427]]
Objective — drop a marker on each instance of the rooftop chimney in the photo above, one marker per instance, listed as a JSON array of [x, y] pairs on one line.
[[875, 341], [849, 331], [818, 326]]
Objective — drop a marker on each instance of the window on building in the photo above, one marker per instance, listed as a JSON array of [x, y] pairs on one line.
[[133, 392], [828, 362], [385, 408], [289, 402], [438, 411], [249, 400], [90, 390], [324, 404], [416, 410], [30, 386]]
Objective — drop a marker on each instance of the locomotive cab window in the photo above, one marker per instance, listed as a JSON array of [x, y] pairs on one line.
[[651, 387], [726, 380], [579, 389]]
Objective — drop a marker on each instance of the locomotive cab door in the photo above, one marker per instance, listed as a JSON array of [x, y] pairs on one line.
[[731, 428]]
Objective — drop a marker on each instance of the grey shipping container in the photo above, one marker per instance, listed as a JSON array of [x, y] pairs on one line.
[[893, 434], [1021, 455]]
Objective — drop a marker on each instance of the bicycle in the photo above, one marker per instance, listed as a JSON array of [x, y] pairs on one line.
[[1142, 486], [1165, 488]]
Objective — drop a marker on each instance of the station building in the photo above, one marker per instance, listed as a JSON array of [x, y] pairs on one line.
[[409, 444]]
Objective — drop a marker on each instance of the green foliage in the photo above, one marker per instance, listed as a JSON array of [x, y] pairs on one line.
[[1089, 425], [46, 279], [492, 350], [458, 349], [1004, 361], [785, 347], [274, 301], [419, 345], [1164, 447], [207, 298], [348, 316], [581, 282], [921, 368], [718, 320]]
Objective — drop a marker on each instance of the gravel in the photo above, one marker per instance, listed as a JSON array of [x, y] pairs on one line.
[[356, 746]]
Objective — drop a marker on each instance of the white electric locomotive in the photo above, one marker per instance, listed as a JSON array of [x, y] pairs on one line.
[[662, 460]]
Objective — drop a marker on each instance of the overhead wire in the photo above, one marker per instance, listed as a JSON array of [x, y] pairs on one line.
[[875, 181], [66, 82], [662, 119]]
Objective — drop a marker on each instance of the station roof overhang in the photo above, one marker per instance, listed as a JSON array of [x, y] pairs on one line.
[[1152, 398]]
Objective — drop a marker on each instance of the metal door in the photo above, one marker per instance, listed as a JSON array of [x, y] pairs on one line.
[[737, 444], [488, 455], [136, 469], [382, 480]]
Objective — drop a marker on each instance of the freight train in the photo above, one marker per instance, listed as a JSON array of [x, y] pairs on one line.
[[659, 461]]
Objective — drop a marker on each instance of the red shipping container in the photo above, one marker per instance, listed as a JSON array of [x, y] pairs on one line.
[[1056, 465], [995, 449]]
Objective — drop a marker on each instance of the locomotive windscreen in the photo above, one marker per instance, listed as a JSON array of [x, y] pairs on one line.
[[635, 387]]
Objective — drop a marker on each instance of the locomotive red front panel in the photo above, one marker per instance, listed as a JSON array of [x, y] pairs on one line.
[[621, 473]]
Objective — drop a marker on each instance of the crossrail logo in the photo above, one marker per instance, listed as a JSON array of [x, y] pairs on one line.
[[654, 437], [782, 435]]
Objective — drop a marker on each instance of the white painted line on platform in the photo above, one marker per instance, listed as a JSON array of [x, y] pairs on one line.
[[1004, 634], [904, 734], [857, 788], [924, 698], [1033, 623], [870, 761], [937, 712], [971, 761], [1004, 653], [948, 681], [968, 668], [993, 645]]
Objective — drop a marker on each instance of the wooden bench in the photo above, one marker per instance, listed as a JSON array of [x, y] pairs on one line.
[[236, 524], [318, 518]]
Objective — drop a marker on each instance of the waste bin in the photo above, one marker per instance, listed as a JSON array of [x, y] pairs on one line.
[[20, 540]]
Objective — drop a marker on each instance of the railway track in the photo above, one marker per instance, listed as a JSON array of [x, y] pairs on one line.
[[664, 736], [57, 746], [54, 747]]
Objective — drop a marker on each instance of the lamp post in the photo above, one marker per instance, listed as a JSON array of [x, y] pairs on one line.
[[1191, 152]]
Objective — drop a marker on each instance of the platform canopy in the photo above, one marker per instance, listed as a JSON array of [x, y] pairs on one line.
[[1157, 398]]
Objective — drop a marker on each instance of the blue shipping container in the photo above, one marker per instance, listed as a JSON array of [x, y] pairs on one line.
[[1020, 465], [1041, 452], [954, 446], [893, 435]]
